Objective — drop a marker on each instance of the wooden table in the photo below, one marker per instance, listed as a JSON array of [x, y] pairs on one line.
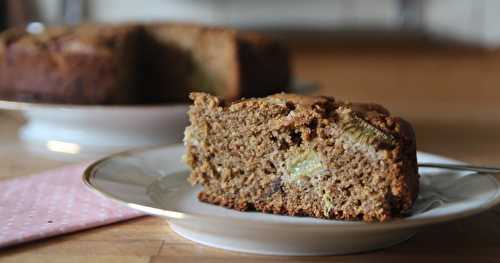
[[451, 95]]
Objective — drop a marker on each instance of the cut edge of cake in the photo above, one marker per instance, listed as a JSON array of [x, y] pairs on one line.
[[302, 156]]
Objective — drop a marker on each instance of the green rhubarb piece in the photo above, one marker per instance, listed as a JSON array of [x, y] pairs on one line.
[[327, 204], [306, 163], [365, 133]]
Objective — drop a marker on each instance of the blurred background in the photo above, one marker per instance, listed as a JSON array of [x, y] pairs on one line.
[[435, 62], [466, 21]]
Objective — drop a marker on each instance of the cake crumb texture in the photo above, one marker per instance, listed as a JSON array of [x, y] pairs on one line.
[[302, 156]]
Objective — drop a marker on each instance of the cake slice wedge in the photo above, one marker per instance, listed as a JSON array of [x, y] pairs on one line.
[[302, 156]]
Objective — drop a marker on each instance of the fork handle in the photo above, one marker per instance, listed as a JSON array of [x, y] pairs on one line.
[[459, 167]]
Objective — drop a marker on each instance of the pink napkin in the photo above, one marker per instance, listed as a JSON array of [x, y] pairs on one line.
[[53, 203]]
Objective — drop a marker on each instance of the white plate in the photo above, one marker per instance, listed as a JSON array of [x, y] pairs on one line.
[[81, 132], [154, 181]]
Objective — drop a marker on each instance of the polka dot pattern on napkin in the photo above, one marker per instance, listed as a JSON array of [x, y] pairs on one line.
[[53, 203]]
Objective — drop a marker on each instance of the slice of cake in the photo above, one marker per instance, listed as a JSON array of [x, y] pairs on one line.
[[302, 156]]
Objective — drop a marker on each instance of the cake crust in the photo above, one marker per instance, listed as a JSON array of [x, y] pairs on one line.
[[302, 156]]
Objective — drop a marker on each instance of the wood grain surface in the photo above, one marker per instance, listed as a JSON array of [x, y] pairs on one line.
[[451, 95]]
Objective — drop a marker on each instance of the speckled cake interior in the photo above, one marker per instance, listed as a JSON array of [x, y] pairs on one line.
[[302, 156]]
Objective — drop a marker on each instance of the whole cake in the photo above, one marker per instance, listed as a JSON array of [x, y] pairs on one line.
[[138, 63], [302, 156]]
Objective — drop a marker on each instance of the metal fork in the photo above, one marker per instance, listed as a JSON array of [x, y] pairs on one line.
[[459, 167]]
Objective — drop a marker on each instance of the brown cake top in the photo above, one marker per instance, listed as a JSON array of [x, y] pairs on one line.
[[101, 37], [88, 38], [367, 121], [324, 105]]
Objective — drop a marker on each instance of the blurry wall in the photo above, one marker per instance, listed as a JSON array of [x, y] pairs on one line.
[[259, 13], [282, 14], [470, 21]]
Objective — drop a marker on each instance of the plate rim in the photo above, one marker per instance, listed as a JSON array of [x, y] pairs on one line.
[[298, 86], [399, 223], [26, 106]]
